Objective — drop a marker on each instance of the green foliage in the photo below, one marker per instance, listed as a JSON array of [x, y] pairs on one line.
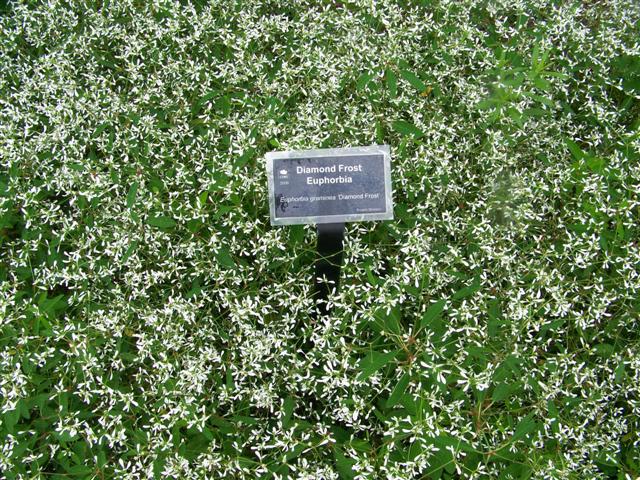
[[407, 128], [373, 362], [162, 221]]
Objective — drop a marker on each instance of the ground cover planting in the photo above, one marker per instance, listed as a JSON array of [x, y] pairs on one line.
[[153, 324]]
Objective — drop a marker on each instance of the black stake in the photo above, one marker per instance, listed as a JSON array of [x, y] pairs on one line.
[[330, 237]]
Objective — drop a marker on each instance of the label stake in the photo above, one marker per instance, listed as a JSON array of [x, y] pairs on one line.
[[328, 263]]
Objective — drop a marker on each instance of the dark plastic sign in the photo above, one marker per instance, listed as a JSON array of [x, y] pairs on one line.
[[330, 185]]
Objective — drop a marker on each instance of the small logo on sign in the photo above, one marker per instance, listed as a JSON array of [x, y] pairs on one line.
[[283, 172]]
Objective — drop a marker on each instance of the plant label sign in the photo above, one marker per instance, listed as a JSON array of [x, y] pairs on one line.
[[330, 185]]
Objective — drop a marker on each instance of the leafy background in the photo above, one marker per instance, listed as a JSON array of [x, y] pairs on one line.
[[155, 325]]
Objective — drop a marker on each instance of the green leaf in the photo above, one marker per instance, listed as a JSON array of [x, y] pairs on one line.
[[495, 315], [438, 461], [288, 407], [297, 450], [244, 419], [535, 58], [296, 234], [158, 465], [433, 312], [202, 198], [224, 258], [131, 196], [604, 350], [162, 222], [398, 390], [344, 464], [575, 150], [11, 418], [502, 391], [392, 83], [525, 426], [578, 227], [534, 113], [487, 104], [221, 179], [223, 105], [130, 251], [49, 306], [360, 445], [466, 291], [198, 104], [374, 362], [79, 470], [414, 80], [539, 98], [542, 84], [379, 133], [509, 368], [407, 128], [222, 422], [99, 129], [389, 322], [562, 76], [595, 164], [363, 80], [443, 441]]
